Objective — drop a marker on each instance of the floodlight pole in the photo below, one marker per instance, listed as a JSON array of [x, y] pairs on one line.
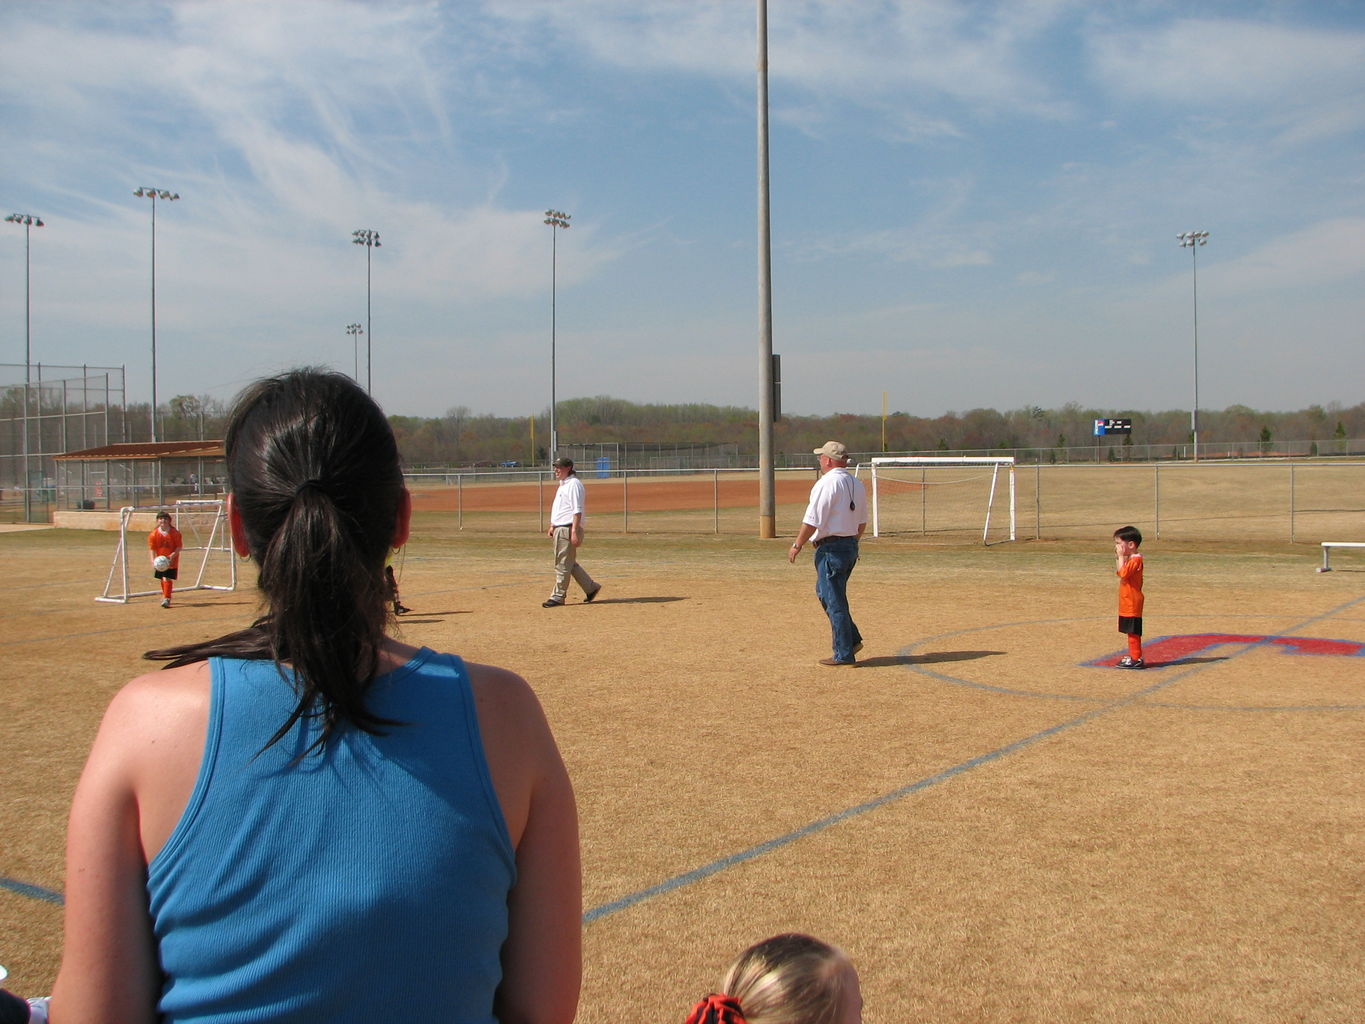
[[767, 507], [557, 219], [370, 240], [355, 330], [29, 222], [146, 192], [1192, 240]]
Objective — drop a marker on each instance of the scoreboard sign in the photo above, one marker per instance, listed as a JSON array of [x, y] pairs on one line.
[[1113, 426]]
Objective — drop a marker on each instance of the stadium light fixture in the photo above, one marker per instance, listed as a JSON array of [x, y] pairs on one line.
[[29, 221], [1192, 240], [146, 192], [557, 219], [355, 330], [370, 240]]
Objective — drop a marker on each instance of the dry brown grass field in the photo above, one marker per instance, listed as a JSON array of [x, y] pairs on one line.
[[994, 827]]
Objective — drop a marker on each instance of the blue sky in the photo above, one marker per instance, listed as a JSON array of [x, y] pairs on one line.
[[973, 203]]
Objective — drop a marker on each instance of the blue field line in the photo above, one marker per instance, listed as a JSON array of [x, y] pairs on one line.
[[36, 892], [716, 866], [705, 871]]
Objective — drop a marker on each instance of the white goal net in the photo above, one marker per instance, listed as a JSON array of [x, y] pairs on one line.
[[206, 561], [942, 494]]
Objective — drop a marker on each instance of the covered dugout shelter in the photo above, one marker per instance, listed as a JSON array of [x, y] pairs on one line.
[[141, 474]]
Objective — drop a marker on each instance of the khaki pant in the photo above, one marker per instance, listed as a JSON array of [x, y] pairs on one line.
[[566, 565]]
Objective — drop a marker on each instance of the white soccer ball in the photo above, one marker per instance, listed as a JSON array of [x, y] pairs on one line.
[[161, 563]]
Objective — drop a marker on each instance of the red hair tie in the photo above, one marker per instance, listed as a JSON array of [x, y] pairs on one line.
[[717, 1009]]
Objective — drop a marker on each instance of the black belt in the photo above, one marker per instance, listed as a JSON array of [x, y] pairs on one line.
[[839, 536], [561, 526]]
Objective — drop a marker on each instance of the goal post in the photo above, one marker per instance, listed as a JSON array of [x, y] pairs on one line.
[[964, 489], [206, 561]]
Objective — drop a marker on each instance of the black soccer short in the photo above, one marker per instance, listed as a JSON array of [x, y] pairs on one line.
[[169, 574], [1130, 624]]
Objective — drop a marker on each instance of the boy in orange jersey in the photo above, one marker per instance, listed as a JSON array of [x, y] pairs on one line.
[[165, 541], [1128, 566]]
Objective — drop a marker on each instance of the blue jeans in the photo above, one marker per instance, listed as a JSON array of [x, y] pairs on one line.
[[834, 562]]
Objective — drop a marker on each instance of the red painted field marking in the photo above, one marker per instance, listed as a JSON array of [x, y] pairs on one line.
[[1168, 650]]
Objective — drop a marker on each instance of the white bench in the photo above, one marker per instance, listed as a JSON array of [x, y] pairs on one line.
[[1328, 545]]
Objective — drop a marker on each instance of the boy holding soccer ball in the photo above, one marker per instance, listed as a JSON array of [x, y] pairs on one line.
[[165, 543], [1128, 567]]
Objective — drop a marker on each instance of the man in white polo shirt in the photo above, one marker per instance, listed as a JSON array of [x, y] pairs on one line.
[[566, 530], [835, 520]]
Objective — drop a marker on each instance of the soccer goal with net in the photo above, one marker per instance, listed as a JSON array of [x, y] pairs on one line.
[[939, 494], [206, 561]]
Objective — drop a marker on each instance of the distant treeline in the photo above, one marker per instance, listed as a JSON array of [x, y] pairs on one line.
[[461, 438]]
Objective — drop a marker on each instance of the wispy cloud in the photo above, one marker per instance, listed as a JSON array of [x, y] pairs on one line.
[[1304, 83], [1318, 254], [865, 53]]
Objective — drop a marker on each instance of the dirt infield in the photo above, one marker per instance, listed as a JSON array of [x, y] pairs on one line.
[[995, 825]]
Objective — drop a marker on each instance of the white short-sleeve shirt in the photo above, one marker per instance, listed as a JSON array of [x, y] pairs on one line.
[[569, 501], [838, 505]]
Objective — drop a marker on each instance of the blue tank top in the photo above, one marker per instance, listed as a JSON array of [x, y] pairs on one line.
[[344, 887]]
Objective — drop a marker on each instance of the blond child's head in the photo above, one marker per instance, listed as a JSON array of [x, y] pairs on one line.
[[787, 979]]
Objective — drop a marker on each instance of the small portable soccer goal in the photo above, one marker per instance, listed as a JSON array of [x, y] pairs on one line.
[[940, 494], [206, 561]]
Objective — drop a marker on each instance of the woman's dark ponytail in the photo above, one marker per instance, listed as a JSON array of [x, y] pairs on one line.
[[314, 474]]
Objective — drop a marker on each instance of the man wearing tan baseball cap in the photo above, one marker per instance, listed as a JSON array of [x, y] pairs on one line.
[[835, 519]]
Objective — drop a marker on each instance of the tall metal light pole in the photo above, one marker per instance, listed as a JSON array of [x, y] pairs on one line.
[[29, 221], [767, 499], [370, 240], [557, 219], [147, 192], [355, 330], [1192, 240]]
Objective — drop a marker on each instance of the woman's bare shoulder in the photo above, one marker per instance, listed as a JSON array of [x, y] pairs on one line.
[[503, 693], [521, 750], [175, 688], [515, 729], [158, 709]]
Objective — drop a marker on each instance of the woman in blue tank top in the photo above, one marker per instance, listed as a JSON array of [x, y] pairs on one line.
[[306, 820]]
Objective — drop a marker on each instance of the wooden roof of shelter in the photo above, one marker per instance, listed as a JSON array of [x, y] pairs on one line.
[[149, 450]]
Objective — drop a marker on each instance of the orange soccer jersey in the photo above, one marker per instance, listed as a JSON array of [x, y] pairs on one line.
[[168, 544], [1130, 587]]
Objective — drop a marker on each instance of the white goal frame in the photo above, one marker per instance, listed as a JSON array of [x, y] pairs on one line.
[[939, 461], [207, 553]]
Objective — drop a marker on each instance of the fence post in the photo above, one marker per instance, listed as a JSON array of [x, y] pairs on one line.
[[625, 501], [1291, 503], [1156, 496], [715, 496], [459, 500], [1038, 499], [923, 502]]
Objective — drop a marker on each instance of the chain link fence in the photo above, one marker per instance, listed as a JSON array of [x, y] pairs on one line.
[[48, 411], [1262, 499]]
